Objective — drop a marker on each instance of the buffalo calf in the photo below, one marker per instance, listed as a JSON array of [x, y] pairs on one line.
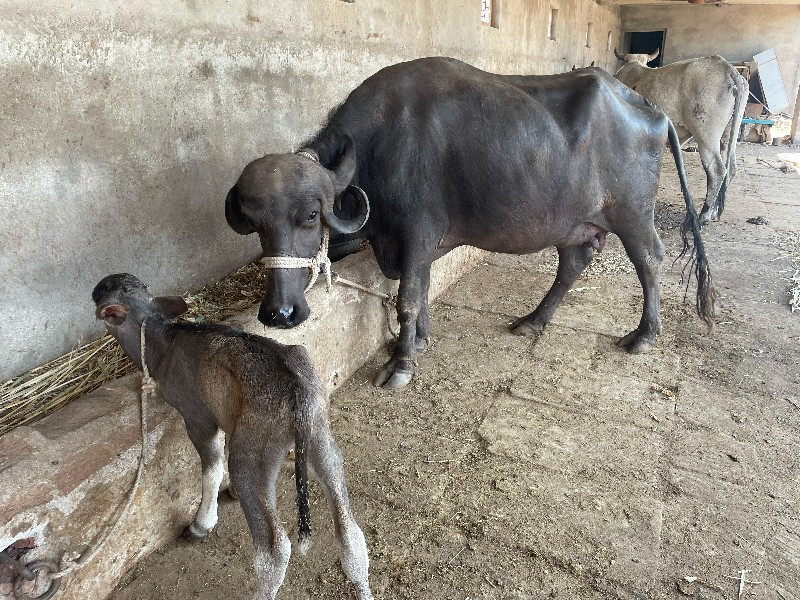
[[265, 396]]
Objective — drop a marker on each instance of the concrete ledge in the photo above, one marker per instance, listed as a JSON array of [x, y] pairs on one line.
[[62, 479]]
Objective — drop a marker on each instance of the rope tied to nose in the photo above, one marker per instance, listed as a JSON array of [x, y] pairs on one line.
[[73, 561], [320, 263]]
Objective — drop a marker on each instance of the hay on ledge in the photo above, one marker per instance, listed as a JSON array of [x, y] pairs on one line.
[[37, 393]]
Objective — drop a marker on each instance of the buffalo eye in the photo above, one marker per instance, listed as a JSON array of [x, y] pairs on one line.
[[313, 216]]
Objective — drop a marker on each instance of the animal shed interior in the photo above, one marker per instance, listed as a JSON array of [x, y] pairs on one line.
[[563, 467]]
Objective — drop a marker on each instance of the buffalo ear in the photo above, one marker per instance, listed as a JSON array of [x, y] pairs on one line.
[[344, 171], [233, 213], [169, 306], [112, 314]]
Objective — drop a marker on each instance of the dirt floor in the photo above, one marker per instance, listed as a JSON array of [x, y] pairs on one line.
[[561, 467]]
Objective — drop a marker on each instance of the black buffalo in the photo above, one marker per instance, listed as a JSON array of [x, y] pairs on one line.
[[451, 155]]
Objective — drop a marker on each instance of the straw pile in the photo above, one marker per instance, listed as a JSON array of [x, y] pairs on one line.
[[37, 393]]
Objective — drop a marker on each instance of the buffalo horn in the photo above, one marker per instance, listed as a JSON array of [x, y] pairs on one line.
[[653, 55], [618, 55], [349, 225]]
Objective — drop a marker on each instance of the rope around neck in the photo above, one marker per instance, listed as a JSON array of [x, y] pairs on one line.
[[73, 561]]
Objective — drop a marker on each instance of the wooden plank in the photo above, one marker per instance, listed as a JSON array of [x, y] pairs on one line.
[[769, 74]]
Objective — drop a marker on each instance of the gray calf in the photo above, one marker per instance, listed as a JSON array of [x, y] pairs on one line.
[[265, 396]]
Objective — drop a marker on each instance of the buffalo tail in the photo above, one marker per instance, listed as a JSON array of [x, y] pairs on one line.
[[742, 89], [301, 435], [706, 294]]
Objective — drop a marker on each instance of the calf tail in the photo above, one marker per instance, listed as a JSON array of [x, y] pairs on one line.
[[741, 90], [301, 481], [706, 294]]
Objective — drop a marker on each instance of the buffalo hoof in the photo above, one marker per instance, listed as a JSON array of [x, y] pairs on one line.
[[193, 533], [707, 215], [525, 327], [636, 342], [395, 374], [422, 344]]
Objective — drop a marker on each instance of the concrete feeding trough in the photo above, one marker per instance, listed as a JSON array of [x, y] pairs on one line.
[[63, 478]]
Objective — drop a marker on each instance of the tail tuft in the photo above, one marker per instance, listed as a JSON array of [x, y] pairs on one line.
[[697, 261], [301, 483]]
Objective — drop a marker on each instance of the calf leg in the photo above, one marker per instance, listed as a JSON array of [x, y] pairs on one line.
[[327, 466], [572, 260], [206, 439], [254, 472], [715, 175], [412, 302], [646, 252]]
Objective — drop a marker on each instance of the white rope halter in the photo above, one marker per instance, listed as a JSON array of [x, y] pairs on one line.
[[316, 265]]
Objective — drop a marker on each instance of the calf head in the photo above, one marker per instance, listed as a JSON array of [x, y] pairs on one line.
[[286, 198], [123, 303]]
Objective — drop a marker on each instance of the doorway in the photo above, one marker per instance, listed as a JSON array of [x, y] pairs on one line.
[[646, 42]]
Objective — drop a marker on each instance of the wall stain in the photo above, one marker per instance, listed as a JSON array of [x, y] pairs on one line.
[[206, 69]]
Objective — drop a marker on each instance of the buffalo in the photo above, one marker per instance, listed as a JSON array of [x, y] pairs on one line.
[[451, 155], [705, 99]]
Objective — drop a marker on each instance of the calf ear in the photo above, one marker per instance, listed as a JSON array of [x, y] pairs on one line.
[[112, 314], [233, 214], [169, 306]]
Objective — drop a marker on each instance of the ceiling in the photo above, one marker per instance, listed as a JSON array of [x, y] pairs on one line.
[[674, 2]]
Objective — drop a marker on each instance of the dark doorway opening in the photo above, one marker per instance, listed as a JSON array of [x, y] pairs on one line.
[[646, 42]]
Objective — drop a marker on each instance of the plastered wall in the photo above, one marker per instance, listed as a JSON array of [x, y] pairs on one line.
[[123, 124], [736, 32]]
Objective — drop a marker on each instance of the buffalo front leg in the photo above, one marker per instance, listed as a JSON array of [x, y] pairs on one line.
[[412, 301], [572, 260], [208, 443], [254, 472], [327, 466], [646, 253]]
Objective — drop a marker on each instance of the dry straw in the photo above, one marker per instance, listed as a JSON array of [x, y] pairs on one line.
[[37, 393]]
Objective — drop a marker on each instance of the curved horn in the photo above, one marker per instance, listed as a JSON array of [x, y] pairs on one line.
[[653, 55], [356, 222], [233, 214], [618, 55]]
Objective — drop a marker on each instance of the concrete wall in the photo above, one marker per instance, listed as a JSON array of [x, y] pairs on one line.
[[736, 32], [123, 124]]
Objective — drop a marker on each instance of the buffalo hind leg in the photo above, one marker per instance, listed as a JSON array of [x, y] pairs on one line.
[[572, 260], [206, 440], [254, 472], [646, 253], [715, 174], [327, 466], [412, 300]]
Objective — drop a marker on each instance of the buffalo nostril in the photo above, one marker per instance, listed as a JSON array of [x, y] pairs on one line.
[[286, 315]]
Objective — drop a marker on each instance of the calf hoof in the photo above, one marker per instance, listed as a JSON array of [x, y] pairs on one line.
[[523, 326], [194, 533], [636, 342], [395, 374]]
